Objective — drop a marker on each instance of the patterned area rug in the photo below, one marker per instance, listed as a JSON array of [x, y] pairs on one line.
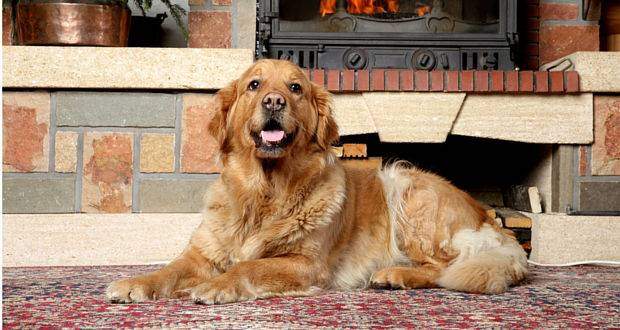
[[72, 297]]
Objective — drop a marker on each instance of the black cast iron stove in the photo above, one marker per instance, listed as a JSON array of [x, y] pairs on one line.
[[367, 34]]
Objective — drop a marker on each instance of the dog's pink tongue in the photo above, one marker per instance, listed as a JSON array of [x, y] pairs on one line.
[[272, 136]]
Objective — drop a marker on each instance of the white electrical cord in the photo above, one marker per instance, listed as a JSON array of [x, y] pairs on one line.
[[585, 262]]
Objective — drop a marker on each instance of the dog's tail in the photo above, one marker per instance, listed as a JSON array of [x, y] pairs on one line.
[[489, 262]]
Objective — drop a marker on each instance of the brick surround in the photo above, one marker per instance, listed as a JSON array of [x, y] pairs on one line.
[[563, 31], [447, 81]]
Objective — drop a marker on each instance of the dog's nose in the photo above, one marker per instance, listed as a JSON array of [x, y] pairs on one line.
[[274, 102]]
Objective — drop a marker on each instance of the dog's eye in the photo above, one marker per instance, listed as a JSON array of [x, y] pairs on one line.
[[254, 84], [295, 88]]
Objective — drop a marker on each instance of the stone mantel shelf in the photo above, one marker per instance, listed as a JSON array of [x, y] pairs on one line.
[[121, 68], [193, 68]]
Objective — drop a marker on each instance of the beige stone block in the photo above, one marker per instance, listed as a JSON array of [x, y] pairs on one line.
[[66, 152], [598, 71], [246, 23], [560, 238], [352, 115], [25, 131], [94, 239], [565, 119], [413, 117], [157, 153], [108, 172], [122, 67]]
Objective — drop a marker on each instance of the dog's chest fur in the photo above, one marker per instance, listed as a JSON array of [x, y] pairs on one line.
[[237, 229]]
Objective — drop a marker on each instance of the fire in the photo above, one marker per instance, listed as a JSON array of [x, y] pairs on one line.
[[392, 6], [328, 7], [368, 7], [423, 10]]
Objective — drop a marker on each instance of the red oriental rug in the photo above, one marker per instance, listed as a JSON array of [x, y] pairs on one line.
[[72, 297]]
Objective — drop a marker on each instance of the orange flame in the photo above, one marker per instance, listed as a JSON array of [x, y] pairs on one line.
[[423, 10], [328, 7], [371, 7], [392, 6]]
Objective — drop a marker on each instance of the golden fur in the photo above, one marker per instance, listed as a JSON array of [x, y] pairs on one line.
[[286, 221]]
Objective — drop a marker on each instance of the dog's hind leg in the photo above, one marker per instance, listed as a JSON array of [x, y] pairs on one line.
[[424, 276]]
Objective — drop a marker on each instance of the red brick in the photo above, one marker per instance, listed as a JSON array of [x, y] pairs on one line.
[[406, 80], [557, 81], [222, 2], [7, 26], [497, 81], [108, 172], [363, 80], [542, 81], [583, 161], [318, 77], [532, 37], [452, 81], [532, 49], [25, 131], [526, 81], [421, 81], [559, 11], [348, 80], [391, 80], [436, 81], [333, 80], [533, 24], [532, 10], [559, 40], [467, 80], [532, 62], [572, 81], [201, 25], [199, 149], [512, 81], [377, 77], [482, 81]]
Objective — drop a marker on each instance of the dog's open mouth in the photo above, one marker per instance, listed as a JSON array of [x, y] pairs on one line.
[[272, 139]]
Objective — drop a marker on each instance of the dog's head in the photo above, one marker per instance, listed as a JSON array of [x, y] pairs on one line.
[[274, 111]]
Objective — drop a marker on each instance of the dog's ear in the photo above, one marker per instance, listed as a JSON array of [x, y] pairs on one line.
[[327, 129], [222, 102]]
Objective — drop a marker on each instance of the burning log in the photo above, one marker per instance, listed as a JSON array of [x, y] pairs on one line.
[[372, 7]]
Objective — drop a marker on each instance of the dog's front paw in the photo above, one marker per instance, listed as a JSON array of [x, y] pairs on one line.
[[388, 278], [220, 290], [129, 290]]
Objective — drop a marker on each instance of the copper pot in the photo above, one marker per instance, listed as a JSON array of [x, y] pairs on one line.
[[72, 24]]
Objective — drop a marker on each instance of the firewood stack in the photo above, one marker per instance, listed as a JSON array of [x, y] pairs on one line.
[[518, 198], [356, 155]]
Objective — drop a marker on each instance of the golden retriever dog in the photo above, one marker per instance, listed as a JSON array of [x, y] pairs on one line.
[[286, 218]]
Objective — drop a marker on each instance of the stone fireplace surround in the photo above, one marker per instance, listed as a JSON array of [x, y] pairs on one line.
[[153, 128]]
